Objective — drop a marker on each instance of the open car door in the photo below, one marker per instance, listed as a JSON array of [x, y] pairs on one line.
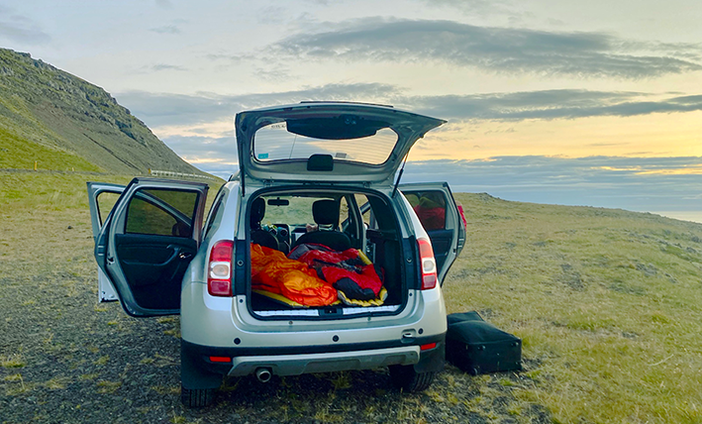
[[102, 198], [443, 221], [147, 241]]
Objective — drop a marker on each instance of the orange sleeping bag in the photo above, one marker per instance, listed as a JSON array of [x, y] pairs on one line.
[[272, 271]]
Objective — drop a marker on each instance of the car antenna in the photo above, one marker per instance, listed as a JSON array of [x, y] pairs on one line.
[[399, 175]]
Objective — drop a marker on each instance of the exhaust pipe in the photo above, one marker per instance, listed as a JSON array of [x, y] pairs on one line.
[[264, 375]]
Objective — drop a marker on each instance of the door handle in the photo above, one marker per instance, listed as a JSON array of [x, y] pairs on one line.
[[185, 255]]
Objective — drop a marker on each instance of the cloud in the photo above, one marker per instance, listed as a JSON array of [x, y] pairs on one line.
[[177, 109], [164, 4], [166, 29], [216, 155], [638, 184], [205, 149], [500, 50], [161, 109], [272, 73], [476, 7], [548, 104], [229, 57], [166, 67], [17, 28]]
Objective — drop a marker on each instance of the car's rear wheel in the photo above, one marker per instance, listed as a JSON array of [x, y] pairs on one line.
[[405, 378], [196, 398]]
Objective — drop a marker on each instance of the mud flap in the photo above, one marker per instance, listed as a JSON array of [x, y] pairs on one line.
[[193, 371], [432, 360]]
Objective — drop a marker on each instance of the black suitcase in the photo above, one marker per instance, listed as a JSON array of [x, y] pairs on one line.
[[478, 347]]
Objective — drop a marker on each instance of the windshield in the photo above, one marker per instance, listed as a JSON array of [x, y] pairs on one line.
[[281, 141]]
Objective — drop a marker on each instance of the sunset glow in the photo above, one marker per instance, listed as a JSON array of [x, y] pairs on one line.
[[542, 85]]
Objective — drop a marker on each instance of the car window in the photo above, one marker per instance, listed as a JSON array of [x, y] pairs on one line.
[[161, 212], [302, 138], [297, 211], [366, 211], [430, 207], [343, 210], [105, 202], [362, 202]]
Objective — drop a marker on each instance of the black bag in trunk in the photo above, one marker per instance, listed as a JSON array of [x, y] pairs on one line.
[[478, 347]]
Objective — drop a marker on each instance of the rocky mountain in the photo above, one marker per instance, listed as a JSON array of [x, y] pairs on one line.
[[55, 118]]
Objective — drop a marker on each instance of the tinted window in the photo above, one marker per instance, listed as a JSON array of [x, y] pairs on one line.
[[161, 212]]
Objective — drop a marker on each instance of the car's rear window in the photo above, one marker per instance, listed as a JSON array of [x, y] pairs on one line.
[[275, 142]]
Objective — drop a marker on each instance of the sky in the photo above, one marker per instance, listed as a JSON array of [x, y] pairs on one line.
[[595, 103]]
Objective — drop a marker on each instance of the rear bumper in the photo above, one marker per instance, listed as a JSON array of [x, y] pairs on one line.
[[325, 362], [198, 371]]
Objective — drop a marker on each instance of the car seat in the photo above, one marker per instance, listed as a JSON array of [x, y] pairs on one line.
[[326, 216], [259, 235]]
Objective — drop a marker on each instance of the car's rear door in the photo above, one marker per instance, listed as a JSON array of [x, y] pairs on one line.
[[442, 219], [147, 242], [102, 197]]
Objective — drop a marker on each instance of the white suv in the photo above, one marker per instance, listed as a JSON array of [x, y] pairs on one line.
[[314, 177]]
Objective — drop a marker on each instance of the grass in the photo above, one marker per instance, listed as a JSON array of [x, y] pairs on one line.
[[20, 153], [108, 387], [607, 302], [103, 360], [15, 384], [12, 361], [59, 192], [57, 383]]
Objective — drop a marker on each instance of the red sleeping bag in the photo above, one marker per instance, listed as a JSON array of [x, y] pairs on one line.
[[272, 271], [346, 270]]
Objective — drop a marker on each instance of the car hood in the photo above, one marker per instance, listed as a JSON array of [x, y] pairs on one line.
[[327, 142]]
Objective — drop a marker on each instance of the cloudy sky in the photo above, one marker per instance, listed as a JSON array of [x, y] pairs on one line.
[[585, 103]]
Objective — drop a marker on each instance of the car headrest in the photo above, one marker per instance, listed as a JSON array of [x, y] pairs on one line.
[[258, 210], [326, 212]]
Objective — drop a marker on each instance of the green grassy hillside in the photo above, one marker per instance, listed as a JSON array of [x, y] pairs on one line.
[[19, 153], [608, 303], [49, 115]]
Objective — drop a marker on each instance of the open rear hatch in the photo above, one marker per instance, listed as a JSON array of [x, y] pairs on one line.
[[327, 142]]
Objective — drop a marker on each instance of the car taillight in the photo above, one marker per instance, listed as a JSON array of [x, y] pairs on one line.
[[219, 269], [428, 263]]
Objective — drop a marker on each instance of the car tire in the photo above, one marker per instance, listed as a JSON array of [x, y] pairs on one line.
[[405, 378], [196, 398]]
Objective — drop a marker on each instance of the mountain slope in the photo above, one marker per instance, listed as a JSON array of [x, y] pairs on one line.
[[46, 113]]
